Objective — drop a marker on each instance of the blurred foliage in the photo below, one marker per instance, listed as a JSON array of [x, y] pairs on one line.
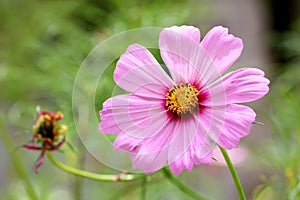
[[287, 45], [42, 45], [284, 148]]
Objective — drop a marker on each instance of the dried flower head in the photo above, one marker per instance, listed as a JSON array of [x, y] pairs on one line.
[[48, 134]]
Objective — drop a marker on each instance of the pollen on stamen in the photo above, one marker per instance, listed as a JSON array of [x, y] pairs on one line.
[[182, 99]]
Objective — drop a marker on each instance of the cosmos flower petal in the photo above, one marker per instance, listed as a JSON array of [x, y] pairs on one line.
[[199, 152], [132, 115], [152, 153], [127, 143], [222, 47], [183, 163], [187, 128], [40, 162], [33, 147], [185, 58], [239, 86], [190, 32], [167, 132], [138, 68], [117, 104], [159, 138], [212, 120], [151, 162], [238, 120], [245, 85], [227, 124], [58, 145]]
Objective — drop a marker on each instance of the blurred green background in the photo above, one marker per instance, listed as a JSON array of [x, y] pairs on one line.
[[43, 43]]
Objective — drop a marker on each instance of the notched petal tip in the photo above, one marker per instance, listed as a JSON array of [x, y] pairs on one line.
[[223, 48], [177, 168], [190, 32], [242, 85], [134, 47]]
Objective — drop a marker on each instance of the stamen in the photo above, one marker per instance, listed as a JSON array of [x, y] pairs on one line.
[[182, 99]]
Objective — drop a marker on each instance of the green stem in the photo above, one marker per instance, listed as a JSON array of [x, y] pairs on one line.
[[182, 186], [16, 161], [143, 188], [234, 174], [94, 176]]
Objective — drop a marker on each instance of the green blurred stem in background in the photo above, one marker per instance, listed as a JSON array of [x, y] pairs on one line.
[[16, 161], [234, 174]]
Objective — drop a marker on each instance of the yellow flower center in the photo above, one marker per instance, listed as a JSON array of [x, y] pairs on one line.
[[182, 99]]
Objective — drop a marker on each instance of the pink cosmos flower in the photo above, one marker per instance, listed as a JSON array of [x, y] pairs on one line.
[[177, 115]]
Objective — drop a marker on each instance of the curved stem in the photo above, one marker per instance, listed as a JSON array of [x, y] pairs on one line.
[[182, 186], [99, 177], [234, 174], [16, 161]]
